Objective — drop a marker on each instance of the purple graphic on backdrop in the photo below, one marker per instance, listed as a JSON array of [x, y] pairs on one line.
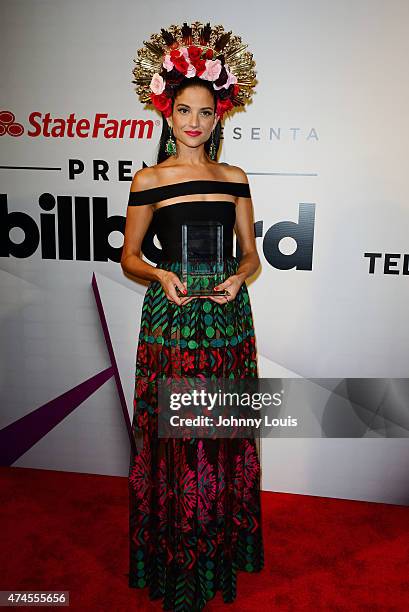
[[18, 437]]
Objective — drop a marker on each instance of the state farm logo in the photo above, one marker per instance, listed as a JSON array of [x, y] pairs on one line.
[[43, 124], [9, 125]]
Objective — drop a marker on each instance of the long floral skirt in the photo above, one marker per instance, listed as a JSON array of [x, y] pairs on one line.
[[194, 504]]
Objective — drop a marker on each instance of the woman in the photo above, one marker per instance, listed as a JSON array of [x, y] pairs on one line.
[[195, 516]]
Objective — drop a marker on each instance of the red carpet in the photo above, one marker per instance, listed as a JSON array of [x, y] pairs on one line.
[[68, 531]]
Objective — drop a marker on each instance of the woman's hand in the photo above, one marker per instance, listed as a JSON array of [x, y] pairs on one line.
[[232, 284], [169, 281]]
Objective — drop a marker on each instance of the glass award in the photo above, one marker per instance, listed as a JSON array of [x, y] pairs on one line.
[[202, 258]]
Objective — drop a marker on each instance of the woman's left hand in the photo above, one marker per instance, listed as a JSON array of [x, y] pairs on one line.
[[232, 284]]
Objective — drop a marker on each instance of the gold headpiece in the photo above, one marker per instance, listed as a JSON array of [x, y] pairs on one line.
[[198, 50]]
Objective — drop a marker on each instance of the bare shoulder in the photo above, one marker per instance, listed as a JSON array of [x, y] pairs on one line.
[[235, 174], [145, 178]]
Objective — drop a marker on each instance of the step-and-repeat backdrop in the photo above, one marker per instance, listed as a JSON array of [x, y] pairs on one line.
[[325, 148]]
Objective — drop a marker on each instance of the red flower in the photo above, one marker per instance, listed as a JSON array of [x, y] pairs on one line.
[[223, 106], [194, 53], [142, 420], [200, 66], [236, 89], [142, 353], [175, 54], [201, 546], [202, 359], [141, 386], [209, 54], [162, 103], [188, 361], [176, 359], [179, 61]]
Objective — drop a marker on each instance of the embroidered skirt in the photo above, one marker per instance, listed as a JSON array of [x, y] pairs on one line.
[[194, 504]]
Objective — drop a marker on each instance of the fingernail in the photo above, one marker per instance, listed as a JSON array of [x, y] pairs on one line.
[[185, 291]]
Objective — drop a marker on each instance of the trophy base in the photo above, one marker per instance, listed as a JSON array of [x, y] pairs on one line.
[[202, 293]]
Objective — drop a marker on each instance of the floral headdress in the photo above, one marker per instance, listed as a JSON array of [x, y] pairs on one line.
[[198, 50]]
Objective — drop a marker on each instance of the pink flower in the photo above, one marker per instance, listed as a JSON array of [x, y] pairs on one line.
[[167, 63], [213, 69], [191, 71], [157, 84], [184, 51]]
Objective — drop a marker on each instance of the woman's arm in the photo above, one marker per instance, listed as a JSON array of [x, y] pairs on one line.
[[244, 228], [138, 219]]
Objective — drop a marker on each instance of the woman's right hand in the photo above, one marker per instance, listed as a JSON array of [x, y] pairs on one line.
[[169, 281]]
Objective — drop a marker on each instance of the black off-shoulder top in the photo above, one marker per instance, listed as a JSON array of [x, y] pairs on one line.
[[168, 218]]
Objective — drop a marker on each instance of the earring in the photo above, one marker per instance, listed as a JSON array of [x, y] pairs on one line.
[[171, 144], [212, 149]]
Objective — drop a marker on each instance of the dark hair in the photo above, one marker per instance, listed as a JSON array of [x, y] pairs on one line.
[[185, 83]]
